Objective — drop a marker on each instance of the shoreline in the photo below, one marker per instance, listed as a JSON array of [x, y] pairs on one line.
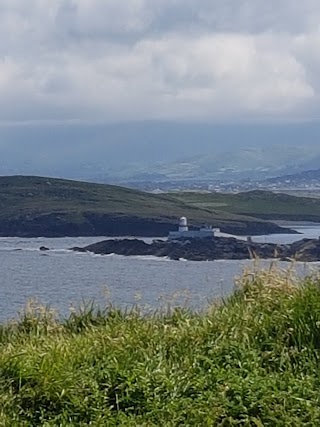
[[293, 224], [208, 249], [231, 231]]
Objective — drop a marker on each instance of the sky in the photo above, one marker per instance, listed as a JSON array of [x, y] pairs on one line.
[[119, 60], [106, 79]]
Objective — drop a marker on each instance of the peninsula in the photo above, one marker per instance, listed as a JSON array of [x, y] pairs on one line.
[[48, 207]]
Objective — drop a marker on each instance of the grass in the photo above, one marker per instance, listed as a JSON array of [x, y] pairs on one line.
[[27, 202], [41, 206], [39, 195], [258, 204], [251, 360]]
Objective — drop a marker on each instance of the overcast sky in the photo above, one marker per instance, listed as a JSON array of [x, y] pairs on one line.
[[119, 60]]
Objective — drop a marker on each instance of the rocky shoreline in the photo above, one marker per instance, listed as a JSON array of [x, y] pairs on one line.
[[306, 250], [59, 224]]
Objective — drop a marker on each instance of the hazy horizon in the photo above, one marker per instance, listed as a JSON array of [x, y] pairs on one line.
[[77, 151]]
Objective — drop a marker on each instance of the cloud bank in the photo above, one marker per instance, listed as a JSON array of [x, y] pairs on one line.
[[117, 60]]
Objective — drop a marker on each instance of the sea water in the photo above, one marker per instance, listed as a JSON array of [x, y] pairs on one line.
[[64, 280]]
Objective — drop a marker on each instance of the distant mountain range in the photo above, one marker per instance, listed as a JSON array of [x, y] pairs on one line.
[[255, 163], [159, 151], [305, 177]]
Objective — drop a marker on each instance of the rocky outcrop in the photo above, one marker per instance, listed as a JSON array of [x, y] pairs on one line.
[[208, 249], [307, 250]]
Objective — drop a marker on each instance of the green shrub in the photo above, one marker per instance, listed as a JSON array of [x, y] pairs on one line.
[[251, 360]]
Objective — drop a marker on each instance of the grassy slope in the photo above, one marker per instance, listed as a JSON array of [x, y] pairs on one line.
[[260, 204], [35, 206], [251, 361], [39, 196]]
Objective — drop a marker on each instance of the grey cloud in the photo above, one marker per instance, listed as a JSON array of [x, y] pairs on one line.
[[156, 16], [92, 19], [158, 59], [252, 16]]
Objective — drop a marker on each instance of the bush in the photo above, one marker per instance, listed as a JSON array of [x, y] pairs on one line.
[[252, 360]]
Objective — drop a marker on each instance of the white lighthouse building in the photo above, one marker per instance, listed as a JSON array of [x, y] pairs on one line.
[[184, 232], [183, 225]]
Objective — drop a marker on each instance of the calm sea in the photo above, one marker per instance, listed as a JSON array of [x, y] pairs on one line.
[[64, 279]]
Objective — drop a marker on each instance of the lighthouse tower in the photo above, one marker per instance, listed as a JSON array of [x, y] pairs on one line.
[[183, 225], [184, 233]]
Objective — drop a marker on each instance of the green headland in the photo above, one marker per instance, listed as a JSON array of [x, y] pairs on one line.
[[40, 206]]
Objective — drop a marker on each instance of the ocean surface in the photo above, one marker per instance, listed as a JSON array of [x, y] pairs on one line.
[[64, 280]]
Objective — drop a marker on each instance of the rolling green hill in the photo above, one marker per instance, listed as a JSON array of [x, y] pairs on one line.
[[258, 204], [38, 206]]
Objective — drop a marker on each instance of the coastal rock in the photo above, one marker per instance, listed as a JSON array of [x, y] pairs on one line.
[[208, 249], [307, 250], [195, 249]]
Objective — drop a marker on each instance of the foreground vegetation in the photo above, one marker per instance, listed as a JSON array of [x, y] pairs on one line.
[[252, 360]]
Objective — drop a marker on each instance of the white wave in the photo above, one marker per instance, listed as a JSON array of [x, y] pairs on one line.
[[61, 251], [151, 258]]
